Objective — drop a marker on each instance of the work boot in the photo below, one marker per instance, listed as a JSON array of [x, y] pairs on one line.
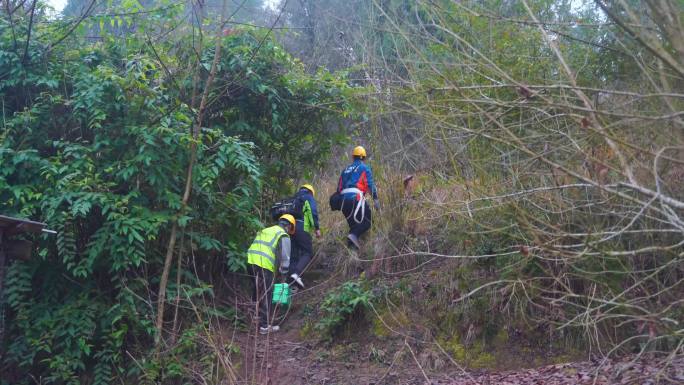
[[297, 279], [354, 241], [268, 329]]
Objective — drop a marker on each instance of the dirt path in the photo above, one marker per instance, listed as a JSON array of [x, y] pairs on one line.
[[294, 362], [288, 358]]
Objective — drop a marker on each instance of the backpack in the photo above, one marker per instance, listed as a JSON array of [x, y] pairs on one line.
[[293, 205], [336, 201]]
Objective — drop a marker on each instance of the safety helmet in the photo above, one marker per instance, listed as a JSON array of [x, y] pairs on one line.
[[290, 219], [308, 187], [359, 151]]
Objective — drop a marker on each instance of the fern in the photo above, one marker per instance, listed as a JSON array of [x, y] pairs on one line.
[[66, 246], [18, 285], [102, 372]]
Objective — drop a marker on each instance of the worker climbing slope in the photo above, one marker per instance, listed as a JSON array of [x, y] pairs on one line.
[[302, 242], [270, 247], [355, 182]]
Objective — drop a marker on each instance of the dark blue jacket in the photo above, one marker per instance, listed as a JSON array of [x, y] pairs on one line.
[[310, 213], [357, 175]]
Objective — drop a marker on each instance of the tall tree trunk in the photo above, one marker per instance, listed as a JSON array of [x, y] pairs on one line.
[[163, 281]]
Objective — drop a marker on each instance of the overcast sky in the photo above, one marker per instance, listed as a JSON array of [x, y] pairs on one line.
[[58, 5]]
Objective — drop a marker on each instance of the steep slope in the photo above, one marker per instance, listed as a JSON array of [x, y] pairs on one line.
[[369, 350]]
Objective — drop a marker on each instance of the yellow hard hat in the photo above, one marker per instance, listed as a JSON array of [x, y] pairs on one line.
[[308, 187], [359, 151], [289, 218]]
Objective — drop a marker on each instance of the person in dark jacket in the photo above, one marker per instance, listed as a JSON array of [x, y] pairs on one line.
[[355, 182], [302, 241]]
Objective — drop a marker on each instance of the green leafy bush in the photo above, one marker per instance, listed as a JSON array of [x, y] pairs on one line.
[[95, 141], [342, 305]]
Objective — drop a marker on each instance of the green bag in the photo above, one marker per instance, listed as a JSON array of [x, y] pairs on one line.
[[281, 294]]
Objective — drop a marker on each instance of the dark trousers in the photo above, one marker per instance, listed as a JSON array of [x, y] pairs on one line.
[[262, 292], [302, 249], [348, 206]]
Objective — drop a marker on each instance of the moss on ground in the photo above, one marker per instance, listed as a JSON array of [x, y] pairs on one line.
[[452, 345], [379, 329], [483, 360], [307, 331], [501, 338]]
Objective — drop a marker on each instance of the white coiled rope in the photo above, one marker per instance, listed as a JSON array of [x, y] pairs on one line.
[[360, 205]]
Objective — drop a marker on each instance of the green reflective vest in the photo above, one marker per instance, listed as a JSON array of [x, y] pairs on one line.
[[308, 217], [262, 252]]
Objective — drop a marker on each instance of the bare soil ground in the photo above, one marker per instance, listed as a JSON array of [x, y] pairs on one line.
[[288, 357], [292, 361]]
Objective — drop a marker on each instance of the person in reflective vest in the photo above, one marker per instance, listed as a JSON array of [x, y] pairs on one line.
[[302, 242], [355, 182], [270, 248]]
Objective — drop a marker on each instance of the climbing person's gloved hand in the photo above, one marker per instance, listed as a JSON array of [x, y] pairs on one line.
[[376, 204]]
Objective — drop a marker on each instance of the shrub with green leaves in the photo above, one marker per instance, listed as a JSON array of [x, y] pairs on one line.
[[95, 141], [342, 305]]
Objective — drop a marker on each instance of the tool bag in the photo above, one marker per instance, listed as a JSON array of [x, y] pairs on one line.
[[336, 201], [292, 205], [281, 294]]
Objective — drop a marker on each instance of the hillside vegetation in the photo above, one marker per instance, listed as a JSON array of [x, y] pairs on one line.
[[529, 157]]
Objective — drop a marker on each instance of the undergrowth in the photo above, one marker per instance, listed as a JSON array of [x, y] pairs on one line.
[[342, 305]]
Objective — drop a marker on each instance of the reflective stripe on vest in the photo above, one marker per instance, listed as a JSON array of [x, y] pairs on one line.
[[308, 217], [262, 251]]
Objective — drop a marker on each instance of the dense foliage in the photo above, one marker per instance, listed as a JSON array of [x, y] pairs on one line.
[[543, 139], [95, 142], [548, 146]]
